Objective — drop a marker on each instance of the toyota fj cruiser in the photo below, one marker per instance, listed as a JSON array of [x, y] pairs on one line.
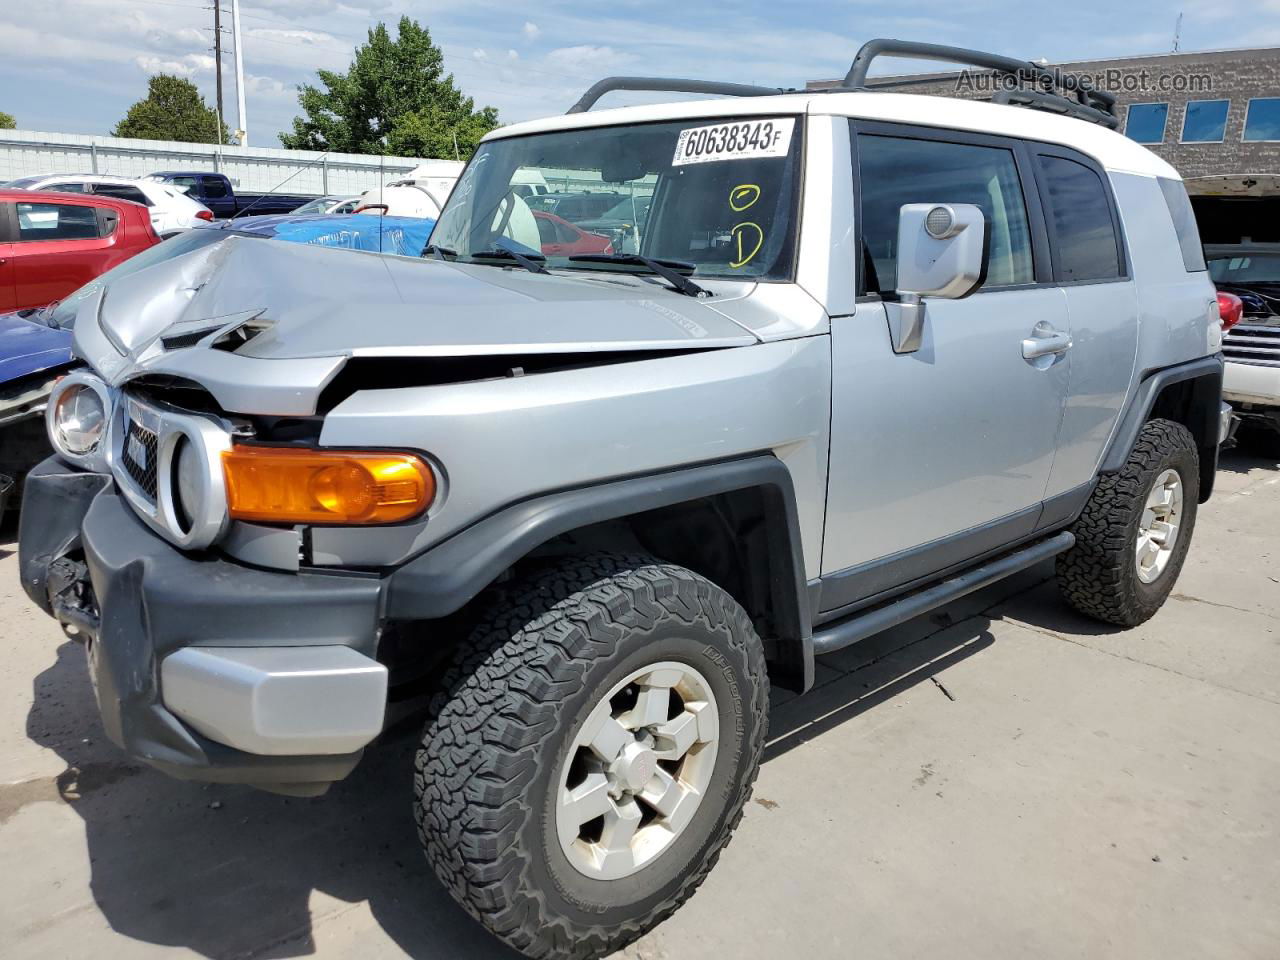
[[871, 352]]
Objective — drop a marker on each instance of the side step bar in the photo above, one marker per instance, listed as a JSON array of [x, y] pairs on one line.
[[839, 635]]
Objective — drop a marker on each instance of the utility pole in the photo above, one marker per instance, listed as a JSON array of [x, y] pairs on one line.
[[217, 58], [241, 120]]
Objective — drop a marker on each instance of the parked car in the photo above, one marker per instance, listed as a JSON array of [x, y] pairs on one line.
[[875, 352], [170, 209], [402, 236], [331, 204], [562, 238], [420, 193], [52, 243], [32, 356], [1251, 273], [575, 206], [623, 223], [216, 192]]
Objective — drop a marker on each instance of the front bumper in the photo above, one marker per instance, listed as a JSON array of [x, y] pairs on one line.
[[205, 668]]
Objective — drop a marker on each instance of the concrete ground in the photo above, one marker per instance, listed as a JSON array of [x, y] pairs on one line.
[[1000, 779]]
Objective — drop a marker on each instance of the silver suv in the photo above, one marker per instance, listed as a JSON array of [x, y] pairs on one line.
[[870, 352]]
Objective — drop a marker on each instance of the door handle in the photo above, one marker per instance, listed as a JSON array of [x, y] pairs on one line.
[[1045, 340]]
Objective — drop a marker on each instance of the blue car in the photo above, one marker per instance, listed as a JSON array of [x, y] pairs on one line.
[[32, 356], [403, 236]]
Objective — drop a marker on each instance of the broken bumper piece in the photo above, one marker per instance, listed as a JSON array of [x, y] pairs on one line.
[[205, 668]]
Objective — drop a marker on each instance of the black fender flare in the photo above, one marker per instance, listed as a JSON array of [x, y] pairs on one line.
[[1202, 416], [449, 574]]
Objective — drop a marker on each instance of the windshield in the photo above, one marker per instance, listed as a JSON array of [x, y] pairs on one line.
[[1246, 268], [62, 314], [721, 196]]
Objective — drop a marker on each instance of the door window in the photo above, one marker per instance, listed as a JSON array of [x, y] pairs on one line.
[[897, 170], [56, 221], [121, 191], [214, 188], [1082, 231]]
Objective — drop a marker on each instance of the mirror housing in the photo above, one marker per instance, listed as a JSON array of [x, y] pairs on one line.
[[942, 252]]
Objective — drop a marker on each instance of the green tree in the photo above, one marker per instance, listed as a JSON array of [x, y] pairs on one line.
[[395, 98], [172, 110], [7, 122]]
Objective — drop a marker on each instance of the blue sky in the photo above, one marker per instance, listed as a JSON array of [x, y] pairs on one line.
[[75, 65]]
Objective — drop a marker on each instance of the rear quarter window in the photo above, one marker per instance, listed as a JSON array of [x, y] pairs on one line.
[[1082, 230], [1184, 223]]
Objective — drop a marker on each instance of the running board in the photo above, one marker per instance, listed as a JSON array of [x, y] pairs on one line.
[[839, 635]]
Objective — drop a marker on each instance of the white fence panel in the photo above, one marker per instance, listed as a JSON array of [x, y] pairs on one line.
[[253, 169]]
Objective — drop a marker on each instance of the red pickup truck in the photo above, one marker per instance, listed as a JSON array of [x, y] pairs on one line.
[[54, 243]]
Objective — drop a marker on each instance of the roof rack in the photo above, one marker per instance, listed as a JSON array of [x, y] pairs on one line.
[[609, 84], [1088, 104]]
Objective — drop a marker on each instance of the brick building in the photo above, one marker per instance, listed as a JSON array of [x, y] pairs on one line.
[[1214, 115]]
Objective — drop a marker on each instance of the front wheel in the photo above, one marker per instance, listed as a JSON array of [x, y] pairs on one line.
[[592, 752], [1134, 533]]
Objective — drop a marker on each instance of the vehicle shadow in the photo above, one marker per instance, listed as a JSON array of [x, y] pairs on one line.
[[231, 872], [1240, 459]]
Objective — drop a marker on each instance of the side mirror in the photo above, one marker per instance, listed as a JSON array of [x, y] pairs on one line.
[[942, 252]]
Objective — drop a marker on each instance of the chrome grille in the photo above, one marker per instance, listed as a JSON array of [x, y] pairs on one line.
[[141, 450], [1253, 343]]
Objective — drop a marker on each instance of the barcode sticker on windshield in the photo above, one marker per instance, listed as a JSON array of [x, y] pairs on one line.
[[740, 140]]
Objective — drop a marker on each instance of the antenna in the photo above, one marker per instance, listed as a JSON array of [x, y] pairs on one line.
[[1177, 33]]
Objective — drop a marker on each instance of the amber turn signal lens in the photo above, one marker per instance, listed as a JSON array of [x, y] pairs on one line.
[[296, 485]]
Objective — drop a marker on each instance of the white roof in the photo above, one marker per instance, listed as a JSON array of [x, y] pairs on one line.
[[1112, 150]]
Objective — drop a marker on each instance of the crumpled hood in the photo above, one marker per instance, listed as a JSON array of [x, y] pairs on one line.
[[317, 302]]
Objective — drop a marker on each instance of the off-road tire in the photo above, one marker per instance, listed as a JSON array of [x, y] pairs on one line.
[[1099, 576], [542, 655]]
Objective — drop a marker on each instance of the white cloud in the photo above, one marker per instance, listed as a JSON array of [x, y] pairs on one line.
[[513, 55], [531, 30], [187, 66], [479, 55], [312, 37]]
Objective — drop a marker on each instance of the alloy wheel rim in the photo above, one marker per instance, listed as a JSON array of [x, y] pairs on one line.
[[1158, 526], [637, 770]]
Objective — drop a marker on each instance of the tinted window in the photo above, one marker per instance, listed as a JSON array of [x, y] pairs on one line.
[[1205, 122], [1263, 119], [1146, 122], [214, 187], [896, 171], [66, 188], [56, 221], [121, 192], [1184, 222], [1246, 268], [1080, 225]]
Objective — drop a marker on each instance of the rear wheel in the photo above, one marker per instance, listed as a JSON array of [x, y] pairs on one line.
[[591, 753], [1134, 533]]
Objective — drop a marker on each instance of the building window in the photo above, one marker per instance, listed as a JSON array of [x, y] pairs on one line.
[[1263, 119], [1146, 122], [1205, 122]]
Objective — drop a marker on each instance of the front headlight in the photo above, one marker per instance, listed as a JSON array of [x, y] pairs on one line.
[[79, 420]]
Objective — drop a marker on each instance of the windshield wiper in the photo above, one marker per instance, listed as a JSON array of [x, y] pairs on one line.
[[440, 253], [668, 270], [531, 264]]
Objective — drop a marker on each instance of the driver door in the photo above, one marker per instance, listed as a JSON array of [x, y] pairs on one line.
[[942, 454]]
